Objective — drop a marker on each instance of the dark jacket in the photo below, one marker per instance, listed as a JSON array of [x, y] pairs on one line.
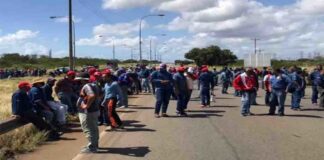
[[20, 103]]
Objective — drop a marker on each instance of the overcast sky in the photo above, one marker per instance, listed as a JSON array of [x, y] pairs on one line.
[[284, 27]]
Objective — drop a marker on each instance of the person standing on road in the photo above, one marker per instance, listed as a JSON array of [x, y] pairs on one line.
[[181, 91], [312, 77], [88, 106], [267, 86], [279, 83], [112, 91], [296, 88], [255, 74], [190, 78], [144, 75], [163, 82], [124, 81], [206, 87], [226, 76], [320, 88], [245, 83]]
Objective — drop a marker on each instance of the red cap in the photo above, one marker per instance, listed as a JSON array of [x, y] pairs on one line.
[[181, 69], [106, 71], [91, 71], [70, 73], [97, 74], [24, 84], [204, 69]]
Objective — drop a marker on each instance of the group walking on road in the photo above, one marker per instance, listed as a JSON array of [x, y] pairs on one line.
[[94, 94]]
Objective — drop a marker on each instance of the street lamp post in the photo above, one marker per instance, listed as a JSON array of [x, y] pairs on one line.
[[113, 46], [140, 31], [131, 49], [72, 56]]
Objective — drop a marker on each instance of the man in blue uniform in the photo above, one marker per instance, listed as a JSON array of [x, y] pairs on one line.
[[22, 108], [296, 88], [312, 77], [163, 82], [279, 83], [38, 99], [206, 84], [181, 91]]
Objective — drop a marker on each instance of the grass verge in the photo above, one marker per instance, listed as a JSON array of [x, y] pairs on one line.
[[22, 140]]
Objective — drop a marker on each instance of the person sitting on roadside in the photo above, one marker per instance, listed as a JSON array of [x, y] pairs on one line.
[[37, 98], [23, 109], [65, 91], [59, 109]]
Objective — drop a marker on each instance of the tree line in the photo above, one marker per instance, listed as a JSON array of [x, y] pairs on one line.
[[212, 55]]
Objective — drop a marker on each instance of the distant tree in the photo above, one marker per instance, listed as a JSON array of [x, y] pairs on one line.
[[212, 55]]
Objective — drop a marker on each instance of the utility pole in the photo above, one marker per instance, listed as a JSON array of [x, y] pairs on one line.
[[114, 50], [255, 44], [70, 37], [155, 52], [50, 53], [150, 49]]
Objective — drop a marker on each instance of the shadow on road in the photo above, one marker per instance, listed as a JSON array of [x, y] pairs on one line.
[[134, 126], [123, 111], [72, 130], [291, 115], [67, 139], [141, 107], [196, 115], [312, 109], [140, 151], [219, 106], [223, 97], [303, 115], [207, 111]]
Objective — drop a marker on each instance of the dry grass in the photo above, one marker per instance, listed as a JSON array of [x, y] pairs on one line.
[[21, 140], [7, 87]]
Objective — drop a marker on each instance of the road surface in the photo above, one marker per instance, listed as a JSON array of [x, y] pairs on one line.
[[215, 133]]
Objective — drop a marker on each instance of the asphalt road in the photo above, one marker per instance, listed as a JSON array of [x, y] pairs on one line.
[[218, 132]]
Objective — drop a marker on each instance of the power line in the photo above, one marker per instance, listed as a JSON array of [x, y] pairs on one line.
[[94, 11]]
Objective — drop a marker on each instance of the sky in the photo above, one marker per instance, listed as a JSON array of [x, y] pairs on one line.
[[286, 28]]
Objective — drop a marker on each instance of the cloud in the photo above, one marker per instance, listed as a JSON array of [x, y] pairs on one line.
[[119, 29], [108, 41], [21, 42], [286, 30], [185, 5], [313, 7], [123, 4], [19, 36], [33, 48], [65, 19]]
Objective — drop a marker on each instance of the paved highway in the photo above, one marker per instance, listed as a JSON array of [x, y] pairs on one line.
[[218, 132]]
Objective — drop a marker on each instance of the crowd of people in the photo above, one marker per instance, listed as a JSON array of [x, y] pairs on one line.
[[10, 73], [94, 94]]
